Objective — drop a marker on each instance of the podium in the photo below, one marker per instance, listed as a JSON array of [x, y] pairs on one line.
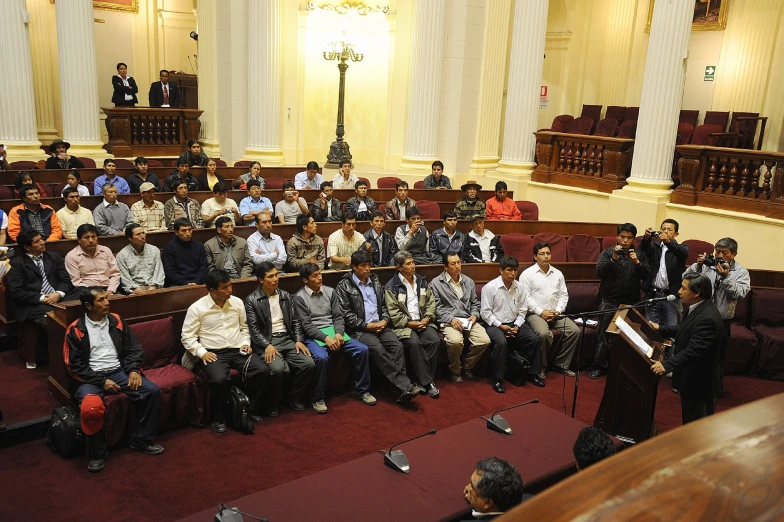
[[629, 399]]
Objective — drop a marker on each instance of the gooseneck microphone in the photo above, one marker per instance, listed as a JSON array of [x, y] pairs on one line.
[[669, 298], [498, 423], [397, 460]]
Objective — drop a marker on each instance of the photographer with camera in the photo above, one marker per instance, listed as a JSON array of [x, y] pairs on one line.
[[621, 268], [730, 280], [667, 262]]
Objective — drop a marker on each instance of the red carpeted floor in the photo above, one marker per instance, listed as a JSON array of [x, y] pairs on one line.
[[23, 393], [201, 468]]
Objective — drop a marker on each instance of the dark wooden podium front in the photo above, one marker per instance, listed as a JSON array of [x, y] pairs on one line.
[[629, 399]]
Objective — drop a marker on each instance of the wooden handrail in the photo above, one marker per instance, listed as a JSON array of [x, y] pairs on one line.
[[146, 131]]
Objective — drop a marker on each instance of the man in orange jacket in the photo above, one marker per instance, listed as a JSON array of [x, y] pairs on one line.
[[33, 214]]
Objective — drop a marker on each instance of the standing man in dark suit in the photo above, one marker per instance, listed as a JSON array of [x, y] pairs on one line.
[[125, 88], [699, 341], [37, 280], [163, 93]]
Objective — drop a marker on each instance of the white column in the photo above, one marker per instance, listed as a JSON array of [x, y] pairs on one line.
[[18, 128], [78, 78], [522, 92], [208, 76], [264, 77], [424, 85], [45, 78]]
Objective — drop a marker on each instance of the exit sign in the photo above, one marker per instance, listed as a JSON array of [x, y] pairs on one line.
[[710, 73]]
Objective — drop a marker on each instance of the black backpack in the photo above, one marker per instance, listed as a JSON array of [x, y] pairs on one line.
[[237, 405], [65, 432], [517, 368]]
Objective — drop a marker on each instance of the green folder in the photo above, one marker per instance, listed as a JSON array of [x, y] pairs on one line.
[[329, 331]]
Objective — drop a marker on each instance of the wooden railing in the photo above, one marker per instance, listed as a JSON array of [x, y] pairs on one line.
[[147, 131], [731, 179], [592, 162]]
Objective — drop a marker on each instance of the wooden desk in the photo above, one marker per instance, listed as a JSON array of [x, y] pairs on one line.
[[150, 131], [188, 86], [724, 467]]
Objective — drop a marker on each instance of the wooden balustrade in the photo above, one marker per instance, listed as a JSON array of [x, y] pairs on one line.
[[731, 179], [145, 131], [591, 162]]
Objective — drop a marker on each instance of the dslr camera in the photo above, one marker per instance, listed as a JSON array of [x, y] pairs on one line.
[[655, 234], [711, 260], [624, 253]]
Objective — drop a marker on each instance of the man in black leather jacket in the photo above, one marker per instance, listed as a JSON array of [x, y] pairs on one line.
[[276, 334]]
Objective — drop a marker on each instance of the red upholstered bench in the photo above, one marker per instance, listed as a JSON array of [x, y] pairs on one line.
[[742, 348], [181, 398], [767, 322]]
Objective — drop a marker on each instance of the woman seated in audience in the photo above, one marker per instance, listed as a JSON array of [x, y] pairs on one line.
[[25, 178], [74, 180], [254, 172], [210, 178]]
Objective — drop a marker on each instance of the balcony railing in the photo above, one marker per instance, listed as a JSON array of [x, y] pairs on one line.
[[591, 162], [731, 179], [144, 131]]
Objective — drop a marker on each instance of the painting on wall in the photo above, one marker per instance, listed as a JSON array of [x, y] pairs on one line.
[[709, 15], [125, 6]]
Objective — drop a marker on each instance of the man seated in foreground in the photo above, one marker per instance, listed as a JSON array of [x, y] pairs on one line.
[[591, 446], [495, 487], [90, 264]]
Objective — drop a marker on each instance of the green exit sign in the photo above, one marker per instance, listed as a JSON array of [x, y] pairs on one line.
[[710, 73]]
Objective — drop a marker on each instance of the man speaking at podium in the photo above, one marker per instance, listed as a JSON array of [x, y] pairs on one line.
[[699, 340]]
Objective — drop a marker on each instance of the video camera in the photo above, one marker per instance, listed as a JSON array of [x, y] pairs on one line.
[[711, 260]]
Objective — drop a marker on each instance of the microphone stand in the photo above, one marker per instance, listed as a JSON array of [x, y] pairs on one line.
[[499, 424], [397, 460]]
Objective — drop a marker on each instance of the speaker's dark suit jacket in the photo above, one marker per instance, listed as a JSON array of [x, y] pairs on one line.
[[156, 95], [699, 340], [24, 282]]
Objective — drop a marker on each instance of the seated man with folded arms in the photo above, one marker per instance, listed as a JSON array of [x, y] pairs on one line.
[[592, 445], [309, 178], [263, 245], [141, 268], [305, 246], [215, 330], [183, 173], [184, 258], [457, 311], [228, 251], [31, 213], [104, 356], [362, 304], [500, 206], [495, 487], [481, 245], [344, 242], [276, 334], [397, 207], [181, 206], [288, 209], [546, 297], [111, 216], [380, 243], [412, 314], [447, 239], [36, 281], [110, 176], [362, 205], [414, 237], [90, 264], [148, 212], [503, 311], [326, 207], [253, 203], [322, 322], [437, 180], [220, 205], [73, 214]]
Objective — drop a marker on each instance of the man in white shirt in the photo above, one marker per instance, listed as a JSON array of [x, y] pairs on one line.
[[344, 179], [344, 242], [215, 330], [309, 178], [503, 311], [546, 298], [264, 245], [73, 214]]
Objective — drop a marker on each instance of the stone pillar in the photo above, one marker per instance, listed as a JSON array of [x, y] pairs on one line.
[[648, 189], [45, 77], [618, 40], [264, 78], [208, 76], [18, 129], [522, 94], [424, 87], [78, 78], [491, 90]]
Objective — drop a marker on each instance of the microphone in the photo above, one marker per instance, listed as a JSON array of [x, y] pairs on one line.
[[397, 459], [190, 62], [232, 514], [499, 424], [670, 298]]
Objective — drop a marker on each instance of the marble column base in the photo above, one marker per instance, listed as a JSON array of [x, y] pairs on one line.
[[517, 176], [267, 157], [211, 148], [89, 149], [24, 151], [481, 165], [645, 202], [415, 166]]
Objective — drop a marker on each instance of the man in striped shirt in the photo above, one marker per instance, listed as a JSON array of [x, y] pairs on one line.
[[148, 212]]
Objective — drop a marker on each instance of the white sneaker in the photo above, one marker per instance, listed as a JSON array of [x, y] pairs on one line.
[[320, 407], [368, 399], [31, 366]]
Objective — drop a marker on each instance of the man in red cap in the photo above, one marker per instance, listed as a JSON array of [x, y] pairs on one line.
[[103, 356]]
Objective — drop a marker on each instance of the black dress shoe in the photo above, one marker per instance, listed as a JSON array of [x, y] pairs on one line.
[[150, 448], [96, 465], [536, 380], [220, 427], [431, 390], [498, 386], [468, 374], [272, 412], [296, 405], [406, 396], [596, 373], [255, 418]]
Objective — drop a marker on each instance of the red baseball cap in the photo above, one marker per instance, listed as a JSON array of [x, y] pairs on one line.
[[92, 411]]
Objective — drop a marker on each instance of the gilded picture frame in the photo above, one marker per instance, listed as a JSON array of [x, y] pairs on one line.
[[122, 6], [709, 15]]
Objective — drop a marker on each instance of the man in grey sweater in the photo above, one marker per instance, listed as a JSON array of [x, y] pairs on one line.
[[322, 321], [111, 216]]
